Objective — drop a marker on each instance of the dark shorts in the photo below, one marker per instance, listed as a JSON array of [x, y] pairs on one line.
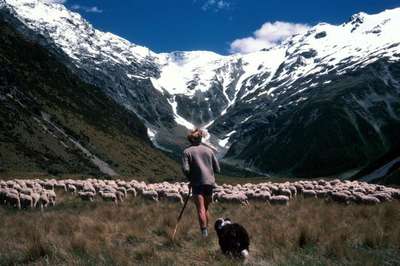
[[205, 190]]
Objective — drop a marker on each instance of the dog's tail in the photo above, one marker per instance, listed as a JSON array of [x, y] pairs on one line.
[[244, 253]]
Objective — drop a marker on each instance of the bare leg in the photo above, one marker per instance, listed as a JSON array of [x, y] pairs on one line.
[[201, 210], [207, 201]]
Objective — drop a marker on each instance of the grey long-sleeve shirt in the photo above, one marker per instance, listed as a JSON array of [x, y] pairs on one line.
[[199, 164]]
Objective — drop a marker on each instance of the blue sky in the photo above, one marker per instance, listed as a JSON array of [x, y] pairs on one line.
[[214, 25]]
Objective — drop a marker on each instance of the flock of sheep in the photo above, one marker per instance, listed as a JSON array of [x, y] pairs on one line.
[[36, 193], [281, 193]]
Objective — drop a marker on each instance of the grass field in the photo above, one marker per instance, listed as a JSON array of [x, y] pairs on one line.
[[308, 232]]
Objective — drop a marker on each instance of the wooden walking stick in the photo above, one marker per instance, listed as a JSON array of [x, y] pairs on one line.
[[181, 213]]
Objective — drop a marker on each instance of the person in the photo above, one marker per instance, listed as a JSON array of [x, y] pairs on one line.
[[199, 164]]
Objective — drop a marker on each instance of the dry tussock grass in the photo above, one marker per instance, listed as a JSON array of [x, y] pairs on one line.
[[308, 232]]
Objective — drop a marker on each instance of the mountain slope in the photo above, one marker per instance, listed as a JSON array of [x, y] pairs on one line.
[[321, 103], [385, 169], [52, 122], [342, 126]]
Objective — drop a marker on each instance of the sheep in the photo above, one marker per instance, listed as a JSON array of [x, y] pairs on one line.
[[322, 182], [173, 197], [216, 196], [120, 195], [235, 198], [26, 191], [71, 188], [274, 189], [10, 184], [123, 190], [108, 196], [86, 195], [340, 197], [361, 190], [335, 190], [285, 192], [43, 200], [382, 197], [321, 193], [29, 184], [107, 188], [308, 193], [17, 187], [334, 182], [12, 190], [26, 201], [293, 190], [299, 187], [395, 194], [52, 197], [308, 187], [150, 194], [259, 195], [132, 191], [370, 200], [88, 187], [279, 200], [35, 198], [13, 200], [48, 185]]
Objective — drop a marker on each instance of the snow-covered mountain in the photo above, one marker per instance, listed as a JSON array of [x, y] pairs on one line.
[[321, 102]]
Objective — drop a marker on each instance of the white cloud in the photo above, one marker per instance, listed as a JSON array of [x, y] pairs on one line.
[[216, 5], [89, 9], [56, 1], [269, 35]]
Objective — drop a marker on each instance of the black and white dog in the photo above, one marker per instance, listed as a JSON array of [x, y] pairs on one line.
[[233, 238]]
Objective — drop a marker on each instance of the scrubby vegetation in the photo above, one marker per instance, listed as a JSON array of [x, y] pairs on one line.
[[308, 232]]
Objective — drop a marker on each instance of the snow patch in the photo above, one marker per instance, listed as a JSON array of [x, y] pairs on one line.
[[179, 119], [223, 142]]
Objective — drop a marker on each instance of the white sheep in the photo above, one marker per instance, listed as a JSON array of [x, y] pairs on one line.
[[234, 198], [382, 196], [259, 195], [123, 190], [370, 200], [88, 187], [279, 200], [132, 191], [120, 195], [150, 194], [285, 192], [52, 197], [309, 193], [13, 200], [43, 200], [86, 195], [173, 197], [109, 196], [35, 198], [340, 197]]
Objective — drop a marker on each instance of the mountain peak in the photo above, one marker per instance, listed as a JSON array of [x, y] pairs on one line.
[[358, 17]]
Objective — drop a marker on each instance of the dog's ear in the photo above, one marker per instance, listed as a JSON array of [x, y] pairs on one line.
[[218, 224], [227, 221]]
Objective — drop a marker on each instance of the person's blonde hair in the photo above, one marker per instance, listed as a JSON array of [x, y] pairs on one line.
[[195, 136]]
